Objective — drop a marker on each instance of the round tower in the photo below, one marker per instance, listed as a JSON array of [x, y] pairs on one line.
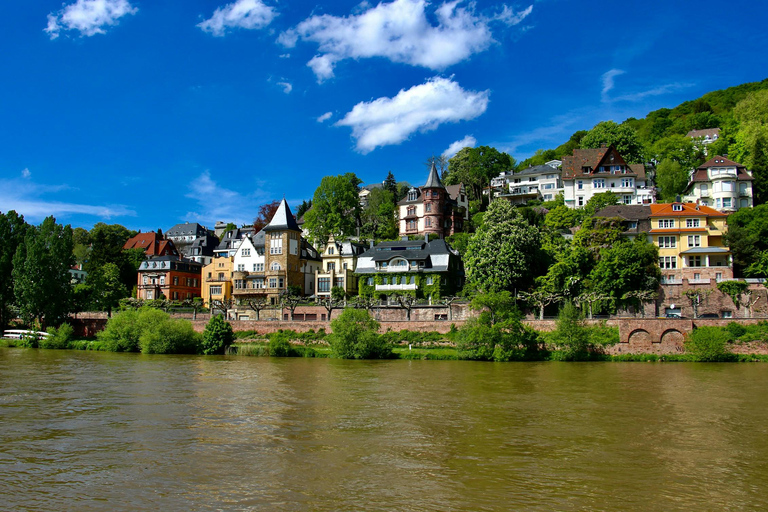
[[434, 197]]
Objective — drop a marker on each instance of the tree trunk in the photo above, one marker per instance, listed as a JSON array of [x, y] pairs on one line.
[[541, 312]]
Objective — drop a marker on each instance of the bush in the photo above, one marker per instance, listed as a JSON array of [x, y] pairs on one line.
[[708, 344], [59, 338], [571, 338], [355, 336], [735, 330], [150, 331], [170, 337], [279, 346], [217, 336], [507, 341], [28, 341]]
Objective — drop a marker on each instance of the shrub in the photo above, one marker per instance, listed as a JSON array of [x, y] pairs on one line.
[[355, 336], [279, 346], [170, 337], [59, 338], [571, 338], [735, 330], [708, 344], [29, 340], [507, 341], [150, 331], [217, 336]]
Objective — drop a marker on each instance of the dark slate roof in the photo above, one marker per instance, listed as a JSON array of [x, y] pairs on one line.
[[258, 239], [434, 179], [229, 237], [538, 169], [282, 219], [186, 229], [414, 250]]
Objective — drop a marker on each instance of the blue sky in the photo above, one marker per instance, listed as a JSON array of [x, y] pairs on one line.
[[152, 112]]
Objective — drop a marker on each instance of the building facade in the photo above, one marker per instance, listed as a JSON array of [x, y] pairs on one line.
[[690, 241], [433, 209], [425, 269], [169, 277], [592, 171], [721, 184], [339, 260], [153, 244], [540, 182], [217, 281]]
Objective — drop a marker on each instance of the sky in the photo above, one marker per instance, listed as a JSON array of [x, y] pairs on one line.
[[148, 113]]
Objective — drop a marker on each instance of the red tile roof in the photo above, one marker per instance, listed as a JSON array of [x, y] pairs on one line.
[[152, 244], [689, 210]]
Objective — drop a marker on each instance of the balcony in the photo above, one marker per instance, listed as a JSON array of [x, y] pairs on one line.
[[395, 287]]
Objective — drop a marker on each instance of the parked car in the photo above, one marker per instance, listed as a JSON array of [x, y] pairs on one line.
[[674, 315]]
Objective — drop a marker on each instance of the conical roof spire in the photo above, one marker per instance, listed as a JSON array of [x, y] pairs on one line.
[[434, 178], [282, 219]]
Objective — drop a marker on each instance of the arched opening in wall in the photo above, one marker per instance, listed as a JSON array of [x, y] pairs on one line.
[[639, 337], [673, 337]]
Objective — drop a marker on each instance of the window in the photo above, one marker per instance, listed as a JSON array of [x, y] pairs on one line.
[[370, 281], [338, 281], [344, 266], [579, 185], [729, 186], [667, 241], [331, 250], [276, 245], [694, 241], [666, 223], [411, 225], [627, 182], [246, 252], [411, 210], [580, 200], [215, 290], [176, 280], [429, 280], [146, 279], [677, 207], [281, 282], [668, 262], [598, 183], [694, 261], [324, 284], [726, 202], [627, 199], [395, 280], [175, 296], [412, 195], [428, 222], [692, 223], [727, 314], [273, 282], [275, 266], [331, 266], [428, 207], [704, 189], [413, 279], [258, 283], [239, 284]]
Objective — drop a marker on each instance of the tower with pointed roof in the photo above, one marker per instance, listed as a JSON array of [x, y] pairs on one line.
[[282, 253], [434, 204]]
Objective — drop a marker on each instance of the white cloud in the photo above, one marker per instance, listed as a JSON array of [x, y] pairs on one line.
[[467, 142], [607, 80], [323, 118], [88, 16], [229, 206], [26, 197], [247, 14], [400, 32], [26, 173], [656, 91], [287, 87], [510, 17], [421, 108]]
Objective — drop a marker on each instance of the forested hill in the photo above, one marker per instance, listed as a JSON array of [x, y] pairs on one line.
[[713, 110]]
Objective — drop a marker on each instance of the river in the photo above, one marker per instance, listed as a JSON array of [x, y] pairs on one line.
[[98, 431]]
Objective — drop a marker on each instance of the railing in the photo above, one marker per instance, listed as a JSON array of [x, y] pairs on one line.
[[395, 287], [698, 281], [671, 280]]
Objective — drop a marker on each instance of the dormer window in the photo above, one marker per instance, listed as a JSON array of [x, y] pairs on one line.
[[412, 195], [677, 207]]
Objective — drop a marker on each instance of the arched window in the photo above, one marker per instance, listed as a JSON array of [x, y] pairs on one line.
[[399, 262], [275, 266]]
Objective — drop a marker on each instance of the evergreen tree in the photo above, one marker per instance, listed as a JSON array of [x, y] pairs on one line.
[[13, 230], [390, 185]]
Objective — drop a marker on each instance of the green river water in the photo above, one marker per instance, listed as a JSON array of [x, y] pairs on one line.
[[98, 431]]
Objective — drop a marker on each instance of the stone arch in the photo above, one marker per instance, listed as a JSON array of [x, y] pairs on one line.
[[672, 337], [640, 338]]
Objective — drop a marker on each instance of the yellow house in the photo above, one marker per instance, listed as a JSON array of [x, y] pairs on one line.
[[217, 280], [690, 242], [338, 267]]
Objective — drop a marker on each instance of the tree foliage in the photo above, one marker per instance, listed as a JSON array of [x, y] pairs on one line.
[[475, 167], [335, 209], [502, 254], [266, 212], [621, 136], [671, 178], [378, 216], [41, 273], [13, 230], [747, 238]]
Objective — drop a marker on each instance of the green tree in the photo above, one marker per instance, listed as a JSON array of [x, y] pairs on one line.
[[217, 336], [303, 208], [671, 178], [378, 216], [562, 218], [571, 337], [41, 273], [734, 289], [390, 185], [622, 137], [106, 288], [107, 241], [503, 254], [13, 230], [475, 167], [708, 344], [335, 209], [747, 238], [677, 148], [356, 336], [599, 201]]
